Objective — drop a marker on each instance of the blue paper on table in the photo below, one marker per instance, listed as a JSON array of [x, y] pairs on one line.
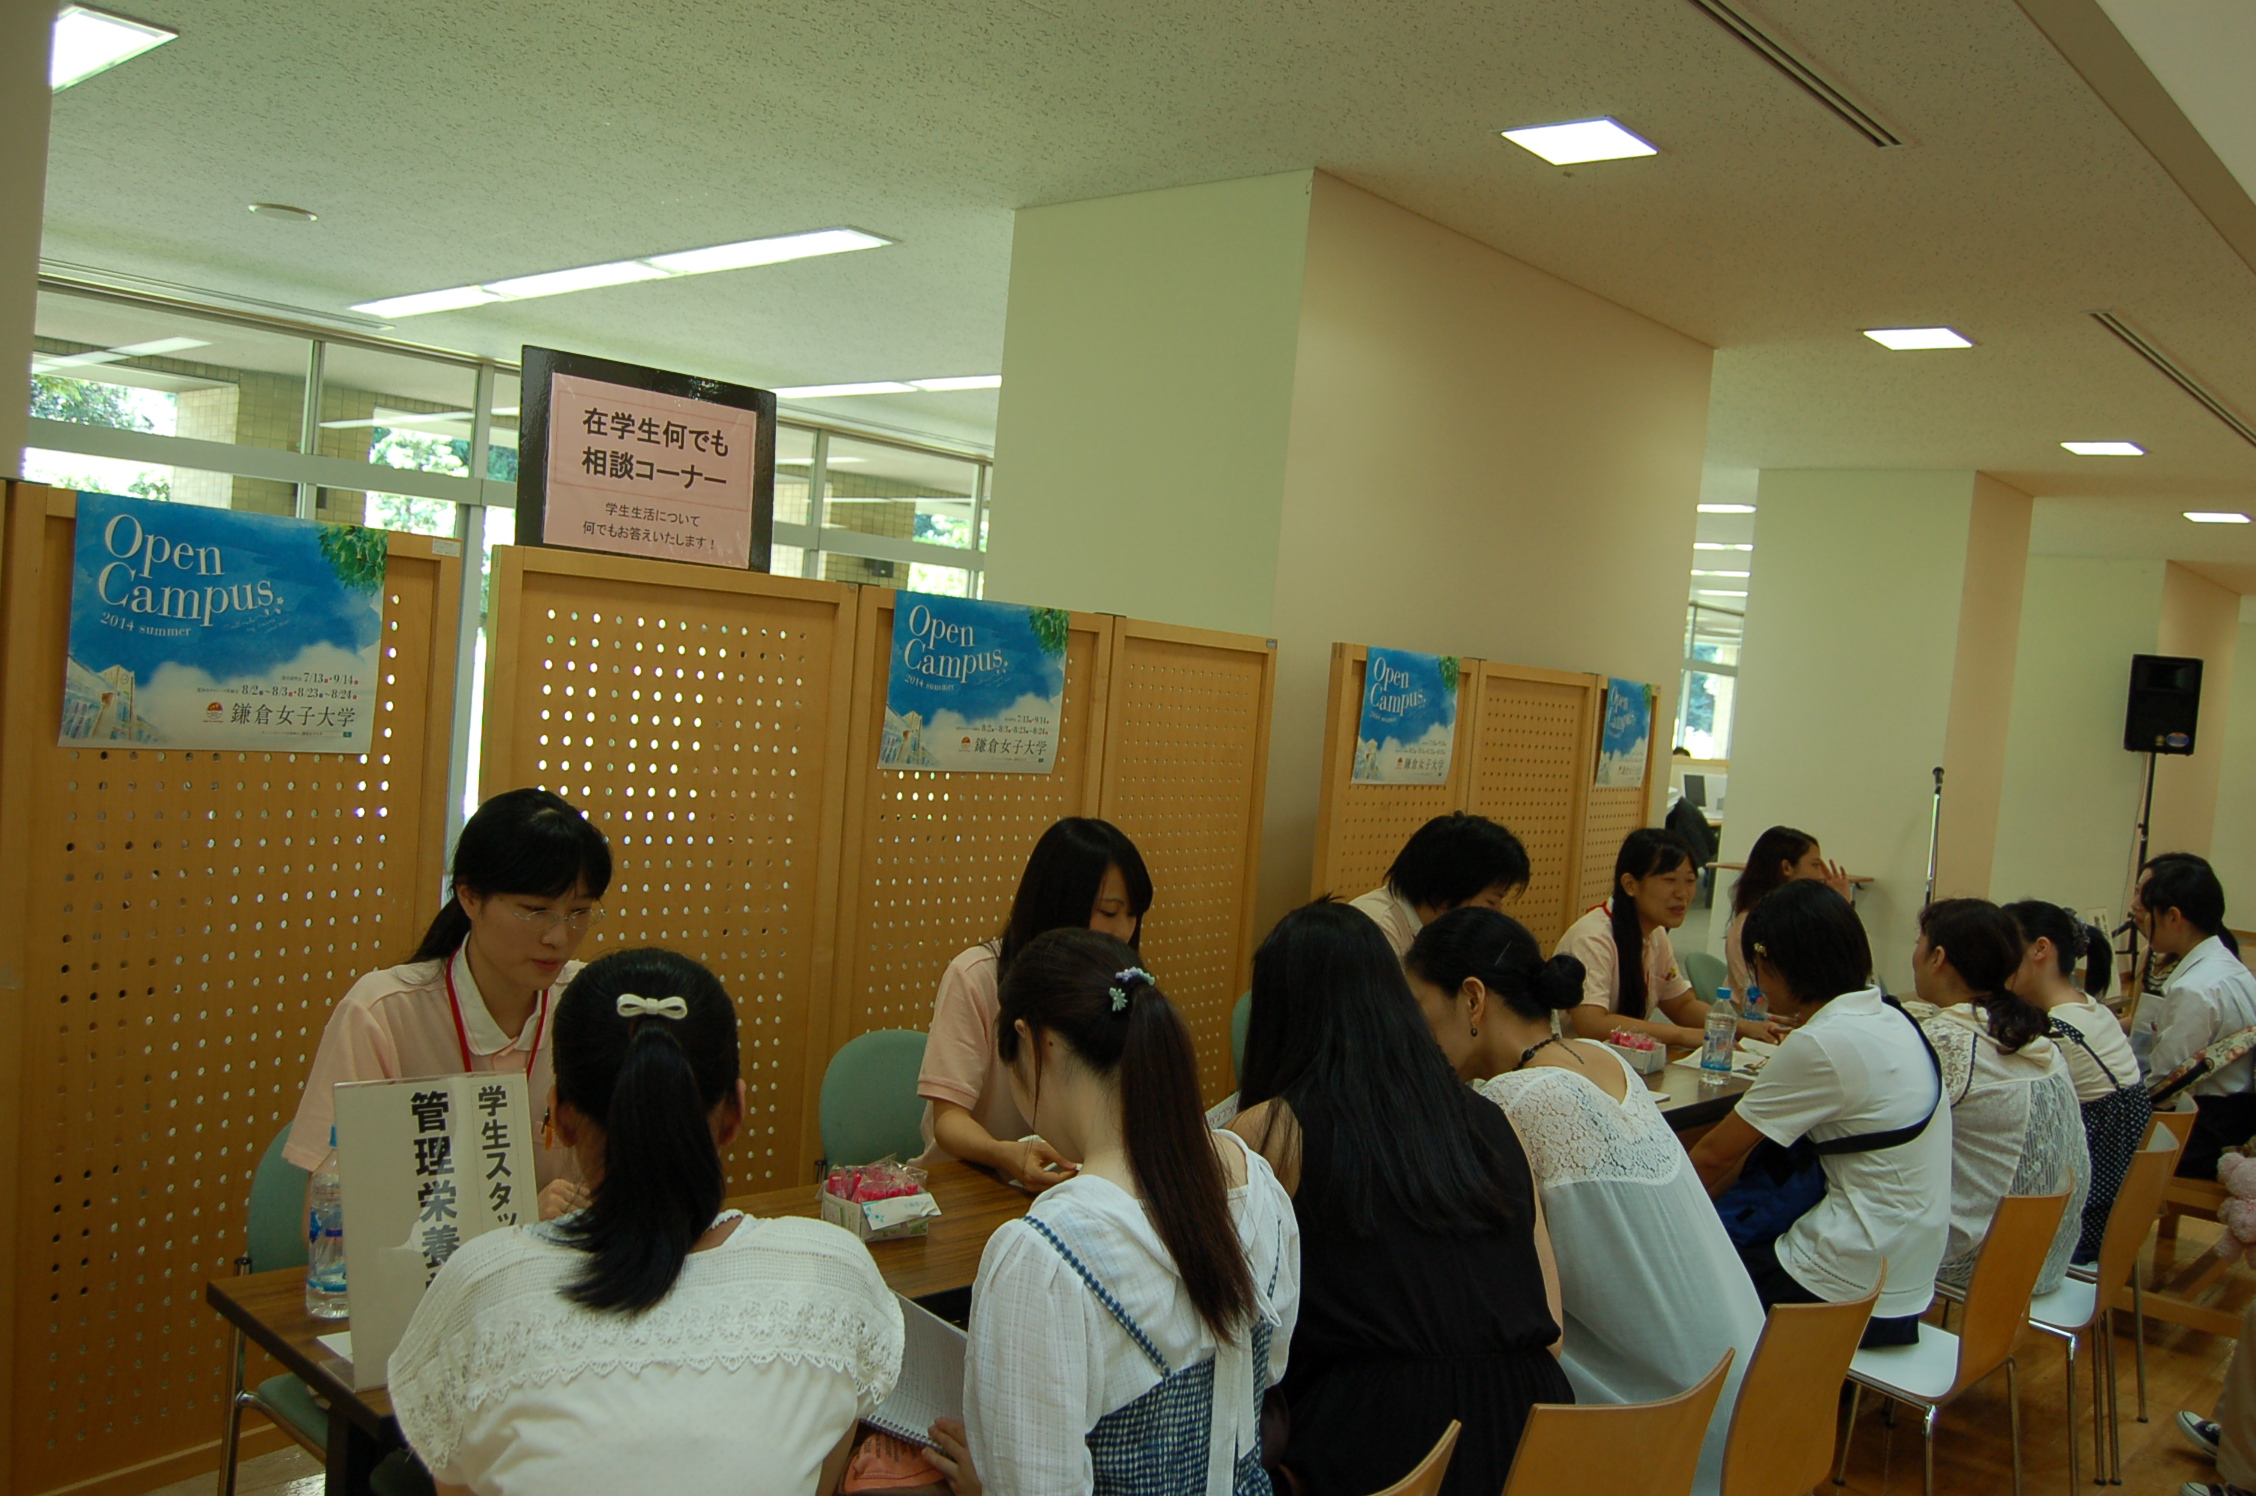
[[1409, 723]]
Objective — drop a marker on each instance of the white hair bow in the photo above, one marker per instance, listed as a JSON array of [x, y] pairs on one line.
[[631, 1006]]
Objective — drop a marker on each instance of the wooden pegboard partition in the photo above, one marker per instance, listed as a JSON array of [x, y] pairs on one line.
[[1526, 754], [174, 928], [700, 718]]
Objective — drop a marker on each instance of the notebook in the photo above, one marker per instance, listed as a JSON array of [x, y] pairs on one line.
[[932, 1375]]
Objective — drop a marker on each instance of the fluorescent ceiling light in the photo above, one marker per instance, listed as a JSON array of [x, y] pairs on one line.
[[735, 256], [402, 419], [961, 382], [808, 461], [1727, 509], [46, 363], [1698, 573], [775, 251], [1719, 545], [831, 391], [1903, 339], [160, 345], [1712, 592], [89, 41], [1581, 140], [2105, 449], [2216, 516], [585, 278]]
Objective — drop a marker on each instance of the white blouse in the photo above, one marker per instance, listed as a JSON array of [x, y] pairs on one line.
[[742, 1379], [1046, 1360]]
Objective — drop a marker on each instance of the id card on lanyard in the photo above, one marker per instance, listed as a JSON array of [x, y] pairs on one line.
[[462, 1034]]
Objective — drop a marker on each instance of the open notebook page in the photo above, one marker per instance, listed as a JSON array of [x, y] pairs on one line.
[[932, 1375]]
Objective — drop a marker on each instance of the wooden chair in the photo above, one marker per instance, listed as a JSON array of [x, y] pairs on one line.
[[1427, 1478], [2179, 1197], [1781, 1437], [1623, 1449], [2185, 1196], [1931, 1372]]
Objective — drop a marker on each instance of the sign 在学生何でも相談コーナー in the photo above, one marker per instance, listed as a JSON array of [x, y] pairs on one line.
[[973, 685], [1408, 729], [208, 628]]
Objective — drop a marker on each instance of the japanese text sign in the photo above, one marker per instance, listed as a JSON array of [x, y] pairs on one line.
[[974, 685], [208, 628], [426, 1165], [1409, 725]]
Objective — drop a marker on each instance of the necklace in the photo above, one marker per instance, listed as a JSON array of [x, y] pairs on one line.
[[1529, 1052]]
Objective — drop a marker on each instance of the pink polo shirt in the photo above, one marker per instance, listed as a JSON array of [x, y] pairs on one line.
[[397, 1023], [1590, 940], [960, 1063]]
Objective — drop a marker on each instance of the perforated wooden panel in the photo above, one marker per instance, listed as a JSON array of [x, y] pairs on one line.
[[937, 856], [1360, 827], [178, 925], [1613, 815], [1186, 759], [697, 716], [1529, 735]]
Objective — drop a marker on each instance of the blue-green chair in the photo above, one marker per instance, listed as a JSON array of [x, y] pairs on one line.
[[276, 1239], [870, 1107], [1240, 1016], [1705, 973]]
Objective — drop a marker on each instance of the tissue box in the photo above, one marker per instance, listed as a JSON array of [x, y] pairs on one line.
[[1643, 1061], [881, 1220]]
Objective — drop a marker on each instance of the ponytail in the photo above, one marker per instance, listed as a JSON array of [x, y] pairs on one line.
[[651, 1079], [1645, 852], [2099, 962], [1086, 988], [1984, 945]]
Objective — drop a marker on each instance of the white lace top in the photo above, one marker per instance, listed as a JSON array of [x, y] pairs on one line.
[[1651, 1291], [741, 1380]]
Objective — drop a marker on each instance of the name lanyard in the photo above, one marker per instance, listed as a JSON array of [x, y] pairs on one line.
[[462, 1035]]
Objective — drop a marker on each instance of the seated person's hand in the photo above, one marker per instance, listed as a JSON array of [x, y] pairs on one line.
[[1769, 1030], [1036, 1165], [894, 1466], [954, 1456], [561, 1197]]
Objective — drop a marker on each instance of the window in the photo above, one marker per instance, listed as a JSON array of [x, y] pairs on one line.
[[1711, 678]]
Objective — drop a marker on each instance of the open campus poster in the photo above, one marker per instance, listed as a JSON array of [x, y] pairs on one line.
[[1408, 729], [974, 685]]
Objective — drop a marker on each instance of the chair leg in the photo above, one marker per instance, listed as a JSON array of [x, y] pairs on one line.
[[1927, 1450], [1848, 1431], [2103, 1405], [2138, 1328], [2068, 1350], [2013, 1406], [231, 1436]]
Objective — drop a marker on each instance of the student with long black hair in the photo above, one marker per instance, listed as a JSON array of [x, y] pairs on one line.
[[651, 1335], [2109, 1092], [479, 993], [2015, 1127], [1427, 1287], [1124, 1332], [1084, 874], [1449, 862], [1631, 979], [1636, 1239], [1779, 856]]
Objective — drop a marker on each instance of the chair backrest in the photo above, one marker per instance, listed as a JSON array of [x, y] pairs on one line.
[[2005, 1275], [1624, 1449], [1432, 1470], [1240, 1016], [276, 1237], [1705, 973], [2138, 1200], [870, 1106], [2178, 1124], [1782, 1428]]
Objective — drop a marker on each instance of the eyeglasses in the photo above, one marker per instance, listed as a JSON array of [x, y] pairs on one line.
[[546, 920]]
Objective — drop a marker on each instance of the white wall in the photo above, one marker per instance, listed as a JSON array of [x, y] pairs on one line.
[[2233, 845], [2202, 620]]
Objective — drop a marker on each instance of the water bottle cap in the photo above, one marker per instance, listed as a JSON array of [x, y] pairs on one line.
[[1723, 994], [332, 1134]]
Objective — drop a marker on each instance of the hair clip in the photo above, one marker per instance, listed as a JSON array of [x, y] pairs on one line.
[[1762, 950], [1132, 976], [631, 1006], [1119, 1000]]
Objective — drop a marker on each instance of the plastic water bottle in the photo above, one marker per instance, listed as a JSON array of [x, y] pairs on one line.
[[325, 1239], [1757, 1006], [1721, 1036]]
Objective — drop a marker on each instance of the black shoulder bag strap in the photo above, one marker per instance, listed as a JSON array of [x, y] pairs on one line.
[[2063, 1029], [1872, 1142]]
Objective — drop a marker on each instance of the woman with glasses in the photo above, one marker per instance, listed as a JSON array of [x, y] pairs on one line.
[[478, 992]]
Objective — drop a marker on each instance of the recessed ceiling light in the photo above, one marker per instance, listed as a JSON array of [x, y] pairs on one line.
[[1727, 509], [735, 256], [832, 391], [1719, 545], [89, 41], [2105, 449], [284, 213], [2216, 516], [961, 382], [1904, 339], [1699, 573], [1577, 141]]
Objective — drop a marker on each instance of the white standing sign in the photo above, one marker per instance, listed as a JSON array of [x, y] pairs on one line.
[[426, 1165]]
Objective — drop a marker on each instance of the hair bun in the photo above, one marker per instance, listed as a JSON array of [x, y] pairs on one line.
[[1558, 984]]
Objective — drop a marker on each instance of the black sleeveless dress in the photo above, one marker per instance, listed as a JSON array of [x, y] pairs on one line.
[[1401, 1331]]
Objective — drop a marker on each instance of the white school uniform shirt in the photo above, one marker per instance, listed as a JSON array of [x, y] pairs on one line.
[[1046, 1360], [741, 1380], [1396, 917], [2210, 996], [2114, 1068], [1856, 1067]]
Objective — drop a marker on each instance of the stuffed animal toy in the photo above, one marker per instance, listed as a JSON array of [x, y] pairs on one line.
[[2237, 1173]]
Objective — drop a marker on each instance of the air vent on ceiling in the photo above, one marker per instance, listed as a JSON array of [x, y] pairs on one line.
[[1775, 52], [2177, 376]]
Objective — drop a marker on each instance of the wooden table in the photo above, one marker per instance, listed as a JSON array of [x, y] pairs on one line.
[[270, 1307], [1690, 1103]]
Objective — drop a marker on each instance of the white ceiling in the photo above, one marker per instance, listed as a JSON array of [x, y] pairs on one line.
[[446, 145]]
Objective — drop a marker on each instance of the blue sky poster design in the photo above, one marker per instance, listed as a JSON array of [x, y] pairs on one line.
[[1627, 736], [207, 628], [973, 686], [1409, 726]]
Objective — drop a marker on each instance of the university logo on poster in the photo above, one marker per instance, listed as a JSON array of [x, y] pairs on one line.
[[1409, 726], [974, 685], [207, 628], [1626, 738]]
